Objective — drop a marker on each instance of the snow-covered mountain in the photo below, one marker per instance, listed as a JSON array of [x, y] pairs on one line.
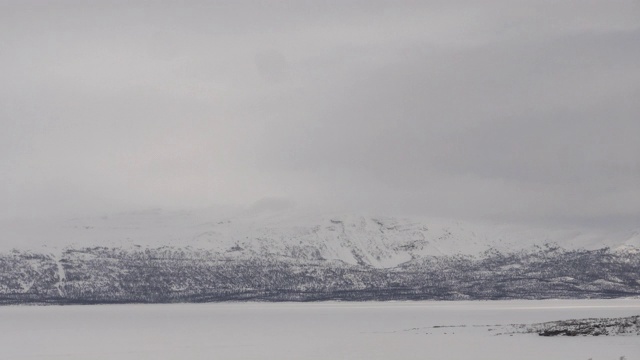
[[378, 241], [292, 254]]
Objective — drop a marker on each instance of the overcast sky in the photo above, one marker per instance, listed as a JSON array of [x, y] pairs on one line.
[[509, 110]]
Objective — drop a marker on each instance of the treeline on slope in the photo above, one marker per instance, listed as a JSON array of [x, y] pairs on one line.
[[166, 275]]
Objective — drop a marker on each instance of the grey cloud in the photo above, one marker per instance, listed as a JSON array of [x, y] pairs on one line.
[[453, 108]]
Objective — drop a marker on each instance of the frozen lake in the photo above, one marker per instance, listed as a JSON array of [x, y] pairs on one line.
[[393, 330]]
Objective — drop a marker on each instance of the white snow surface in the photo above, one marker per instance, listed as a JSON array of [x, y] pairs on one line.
[[380, 241], [327, 331]]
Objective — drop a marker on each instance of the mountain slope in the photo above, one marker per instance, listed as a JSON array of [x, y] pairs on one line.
[[158, 256], [378, 241]]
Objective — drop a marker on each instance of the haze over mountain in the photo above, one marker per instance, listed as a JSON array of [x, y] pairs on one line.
[[403, 150]]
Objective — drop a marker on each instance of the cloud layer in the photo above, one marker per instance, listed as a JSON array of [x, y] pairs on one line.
[[524, 111]]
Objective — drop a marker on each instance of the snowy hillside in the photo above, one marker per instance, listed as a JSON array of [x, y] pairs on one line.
[[376, 241], [285, 255]]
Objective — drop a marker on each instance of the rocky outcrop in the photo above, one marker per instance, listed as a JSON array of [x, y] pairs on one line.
[[589, 327]]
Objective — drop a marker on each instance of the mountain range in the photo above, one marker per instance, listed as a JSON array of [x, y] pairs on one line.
[[288, 254]]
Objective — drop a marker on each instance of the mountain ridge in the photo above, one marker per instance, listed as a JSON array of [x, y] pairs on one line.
[[379, 241], [157, 257]]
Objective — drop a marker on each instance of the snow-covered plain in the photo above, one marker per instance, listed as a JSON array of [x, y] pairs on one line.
[[392, 330]]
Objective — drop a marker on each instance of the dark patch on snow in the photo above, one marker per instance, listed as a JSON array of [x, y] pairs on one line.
[[167, 275]]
